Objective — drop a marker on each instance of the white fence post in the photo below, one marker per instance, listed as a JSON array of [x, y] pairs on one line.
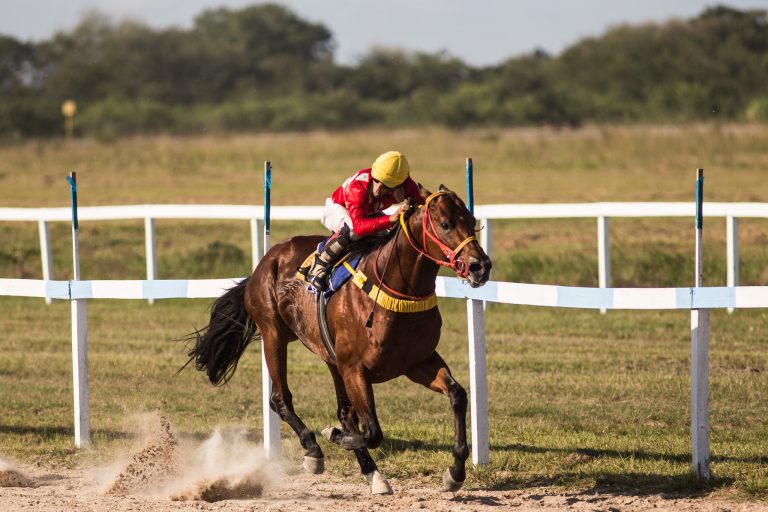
[[270, 417], [257, 242], [149, 242], [699, 356], [732, 236], [603, 254], [79, 339], [478, 379], [478, 387], [45, 252], [485, 236], [700, 392]]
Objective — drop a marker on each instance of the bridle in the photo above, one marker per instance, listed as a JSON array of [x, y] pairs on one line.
[[429, 231]]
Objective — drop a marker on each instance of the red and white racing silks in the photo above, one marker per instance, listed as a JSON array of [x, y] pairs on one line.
[[356, 195]]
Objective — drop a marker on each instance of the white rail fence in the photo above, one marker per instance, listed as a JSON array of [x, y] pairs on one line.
[[696, 299], [602, 212]]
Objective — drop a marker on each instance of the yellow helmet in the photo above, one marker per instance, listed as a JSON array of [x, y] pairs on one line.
[[391, 168]]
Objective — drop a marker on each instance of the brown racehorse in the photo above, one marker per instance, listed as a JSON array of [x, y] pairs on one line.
[[274, 303]]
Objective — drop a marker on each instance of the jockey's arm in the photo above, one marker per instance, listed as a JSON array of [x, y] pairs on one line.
[[362, 223], [412, 191]]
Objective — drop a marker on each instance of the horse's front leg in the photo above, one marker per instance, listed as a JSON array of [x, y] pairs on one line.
[[434, 374], [349, 430], [360, 391]]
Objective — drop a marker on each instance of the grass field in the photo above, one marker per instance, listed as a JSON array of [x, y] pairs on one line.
[[577, 398]]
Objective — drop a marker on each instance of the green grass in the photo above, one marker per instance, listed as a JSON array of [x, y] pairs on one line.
[[577, 399]]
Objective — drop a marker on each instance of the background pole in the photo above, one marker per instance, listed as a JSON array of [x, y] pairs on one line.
[[271, 419], [79, 337], [477, 361]]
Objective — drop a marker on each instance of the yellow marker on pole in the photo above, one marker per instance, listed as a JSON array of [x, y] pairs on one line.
[[68, 110]]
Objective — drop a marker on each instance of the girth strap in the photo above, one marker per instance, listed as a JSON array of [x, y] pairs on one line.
[[325, 332]]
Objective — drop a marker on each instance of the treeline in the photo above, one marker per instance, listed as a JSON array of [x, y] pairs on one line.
[[265, 68]]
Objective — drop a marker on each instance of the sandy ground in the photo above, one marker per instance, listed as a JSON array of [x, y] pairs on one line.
[[165, 473], [75, 490]]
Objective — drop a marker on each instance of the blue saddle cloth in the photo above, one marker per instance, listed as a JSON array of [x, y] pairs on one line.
[[339, 274]]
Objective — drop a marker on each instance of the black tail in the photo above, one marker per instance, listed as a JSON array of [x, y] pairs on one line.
[[219, 345]]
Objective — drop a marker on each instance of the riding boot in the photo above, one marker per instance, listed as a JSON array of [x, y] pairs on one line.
[[334, 249]]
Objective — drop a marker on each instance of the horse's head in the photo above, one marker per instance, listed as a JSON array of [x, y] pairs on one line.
[[447, 231]]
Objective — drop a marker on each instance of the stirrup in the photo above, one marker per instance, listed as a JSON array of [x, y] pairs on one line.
[[317, 274], [320, 281]]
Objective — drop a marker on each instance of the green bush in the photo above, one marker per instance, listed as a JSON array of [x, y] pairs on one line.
[[27, 115], [757, 110], [114, 117]]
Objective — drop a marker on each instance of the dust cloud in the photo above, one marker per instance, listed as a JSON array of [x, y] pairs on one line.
[[225, 466], [10, 476]]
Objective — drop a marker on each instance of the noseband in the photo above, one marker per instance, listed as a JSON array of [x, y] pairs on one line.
[[428, 230]]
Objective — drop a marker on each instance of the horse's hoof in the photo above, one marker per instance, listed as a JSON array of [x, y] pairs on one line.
[[449, 484], [314, 465], [379, 484], [331, 433]]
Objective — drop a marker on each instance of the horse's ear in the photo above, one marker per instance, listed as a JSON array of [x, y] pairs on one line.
[[424, 192], [443, 188]]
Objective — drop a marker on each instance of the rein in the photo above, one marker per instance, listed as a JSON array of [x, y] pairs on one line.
[[428, 229]]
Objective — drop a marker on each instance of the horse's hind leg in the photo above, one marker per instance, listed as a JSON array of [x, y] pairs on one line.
[[349, 425], [275, 348], [434, 374]]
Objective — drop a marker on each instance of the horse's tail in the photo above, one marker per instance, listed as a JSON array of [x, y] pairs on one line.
[[219, 345]]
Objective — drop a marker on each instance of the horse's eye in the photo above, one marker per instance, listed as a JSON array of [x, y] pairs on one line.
[[445, 226]]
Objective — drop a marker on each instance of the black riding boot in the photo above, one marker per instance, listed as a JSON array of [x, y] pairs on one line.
[[334, 249]]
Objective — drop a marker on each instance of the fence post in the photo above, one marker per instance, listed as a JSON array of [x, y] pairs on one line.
[[45, 252], [270, 418], [485, 235], [149, 245], [257, 241], [478, 379], [732, 256], [79, 337], [699, 357], [603, 254]]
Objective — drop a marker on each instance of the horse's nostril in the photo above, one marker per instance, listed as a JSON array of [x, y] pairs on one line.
[[475, 268]]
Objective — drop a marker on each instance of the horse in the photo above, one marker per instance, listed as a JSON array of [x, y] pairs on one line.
[[274, 304]]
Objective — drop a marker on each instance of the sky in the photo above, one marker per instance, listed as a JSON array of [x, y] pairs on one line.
[[480, 32]]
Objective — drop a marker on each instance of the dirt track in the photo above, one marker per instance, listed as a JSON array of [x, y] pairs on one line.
[[70, 490], [162, 473]]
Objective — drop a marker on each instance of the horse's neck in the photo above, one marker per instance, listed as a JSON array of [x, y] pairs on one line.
[[408, 271]]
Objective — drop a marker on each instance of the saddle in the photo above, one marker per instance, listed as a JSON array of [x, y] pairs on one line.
[[346, 269]]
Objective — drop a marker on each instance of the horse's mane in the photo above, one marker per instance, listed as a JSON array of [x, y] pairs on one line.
[[370, 243]]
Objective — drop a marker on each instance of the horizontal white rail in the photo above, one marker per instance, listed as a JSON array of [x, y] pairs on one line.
[[486, 213], [162, 211], [492, 211], [493, 291], [591, 210]]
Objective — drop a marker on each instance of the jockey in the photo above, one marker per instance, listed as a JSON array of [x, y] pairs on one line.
[[355, 209]]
